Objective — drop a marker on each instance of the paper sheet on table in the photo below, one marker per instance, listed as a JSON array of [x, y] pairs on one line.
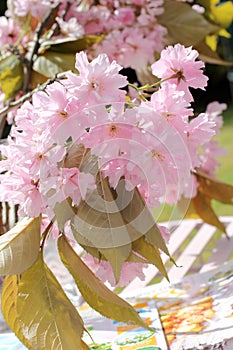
[[112, 335], [197, 312]]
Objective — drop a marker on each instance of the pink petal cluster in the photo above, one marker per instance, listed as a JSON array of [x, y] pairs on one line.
[[154, 146], [129, 31], [9, 32], [129, 38], [179, 64], [103, 270], [212, 150]]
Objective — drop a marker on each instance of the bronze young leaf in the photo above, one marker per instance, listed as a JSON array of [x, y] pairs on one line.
[[19, 247], [48, 318], [9, 311], [97, 295]]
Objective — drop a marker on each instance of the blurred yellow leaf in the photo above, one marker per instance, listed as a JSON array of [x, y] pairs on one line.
[[97, 295], [203, 208], [11, 75], [211, 41], [219, 12], [222, 12]]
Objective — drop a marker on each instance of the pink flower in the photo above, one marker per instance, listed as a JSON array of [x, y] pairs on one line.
[[98, 81], [38, 9], [18, 188], [9, 31], [199, 132], [70, 28], [171, 105], [208, 162], [179, 64], [214, 112], [103, 270], [124, 15], [165, 233], [70, 183]]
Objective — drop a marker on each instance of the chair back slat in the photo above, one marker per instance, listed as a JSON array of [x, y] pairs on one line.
[[222, 250], [191, 252]]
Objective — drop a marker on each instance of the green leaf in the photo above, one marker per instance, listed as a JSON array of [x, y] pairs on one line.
[[203, 208], [97, 295], [11, 75], [184, 24], [52, 63], [9, 298], [151, 253], [70, 45], [98, 223], [19, 247], [48, 318]]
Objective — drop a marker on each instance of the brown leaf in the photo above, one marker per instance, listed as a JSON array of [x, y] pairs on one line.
[[139, 217], [203, 208], [99, 221], [214, 189], [181, 22], [97, 295], [151, 253], [75, 156], [209, 56]]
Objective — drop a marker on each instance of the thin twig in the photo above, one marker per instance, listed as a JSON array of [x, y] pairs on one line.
[[27, 97], [28, 66], [45, 234], [55, 30]]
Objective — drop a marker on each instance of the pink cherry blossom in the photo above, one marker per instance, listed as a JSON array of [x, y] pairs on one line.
[[179, 64], [37, 9], [9, 31], [199, 132], [103, 270], [70, 28], [98, 81], [171, 105], [70, 183], [214, 112]]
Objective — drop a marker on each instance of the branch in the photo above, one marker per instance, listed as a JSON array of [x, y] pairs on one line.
[[27, 97], [45, 23]]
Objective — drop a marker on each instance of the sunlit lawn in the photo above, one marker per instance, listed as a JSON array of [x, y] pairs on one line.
[[224, 173]]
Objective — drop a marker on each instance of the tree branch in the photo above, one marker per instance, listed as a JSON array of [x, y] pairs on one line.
[[29, 64], [27, 97]]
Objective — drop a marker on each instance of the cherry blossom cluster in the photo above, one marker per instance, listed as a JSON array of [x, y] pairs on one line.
[[153, 144], [126, 27]]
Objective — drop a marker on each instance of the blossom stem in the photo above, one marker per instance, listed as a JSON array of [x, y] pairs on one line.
[[148, 86], [27, 97], [45, 234]]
